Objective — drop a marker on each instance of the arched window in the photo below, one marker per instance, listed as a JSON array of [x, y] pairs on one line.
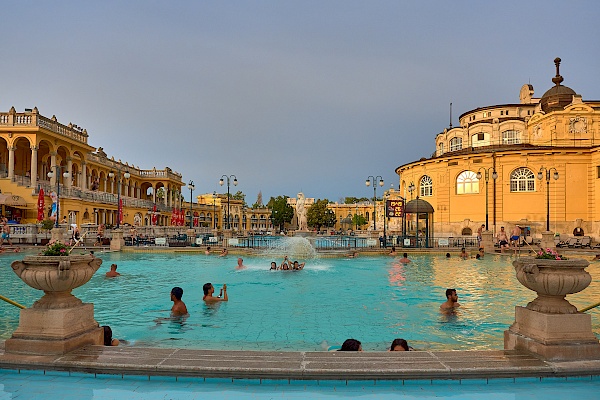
[[511, 137], [466, 232], [522, 180], [455, 144], [467, 182], [441, 151], [426, 186]]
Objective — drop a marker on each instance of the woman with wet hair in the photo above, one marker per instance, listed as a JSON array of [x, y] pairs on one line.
[[351, 345], [108, 339], [399, 345]]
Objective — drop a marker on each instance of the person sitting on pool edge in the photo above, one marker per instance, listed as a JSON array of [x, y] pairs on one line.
[[351, 345], [209, 289], [179, 307], [108, 339], [400, 345], [451, 301]]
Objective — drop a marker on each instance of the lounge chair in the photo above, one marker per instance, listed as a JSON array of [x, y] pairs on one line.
[[574, 242], [584, 242], [563, 243]]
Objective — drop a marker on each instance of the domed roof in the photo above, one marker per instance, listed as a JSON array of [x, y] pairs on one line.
[[418, 205], [559, 96]]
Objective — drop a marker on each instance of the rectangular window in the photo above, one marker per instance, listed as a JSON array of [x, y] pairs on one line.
[[598, 172], [480, 136]]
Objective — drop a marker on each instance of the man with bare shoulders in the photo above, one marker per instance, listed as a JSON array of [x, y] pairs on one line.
[[224, 253], [404, 259], [207, 251], [240, 264], [502, 239], [113, 271], [209, 289], [179, 307], [451, 302]]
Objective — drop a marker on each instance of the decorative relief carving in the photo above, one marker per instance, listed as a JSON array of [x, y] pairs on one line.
[[578, 125]]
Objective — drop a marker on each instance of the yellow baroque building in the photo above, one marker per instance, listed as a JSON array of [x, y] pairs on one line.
[[89, 182], [535, 163]]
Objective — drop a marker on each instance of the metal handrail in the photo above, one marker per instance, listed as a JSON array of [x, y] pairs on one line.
[[14, 303]]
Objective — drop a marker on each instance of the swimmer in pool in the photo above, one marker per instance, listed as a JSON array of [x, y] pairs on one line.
[[209, 289], [451, 302], [297, 267], [240, 264], [273, 266], [179, 307], [113, 271]]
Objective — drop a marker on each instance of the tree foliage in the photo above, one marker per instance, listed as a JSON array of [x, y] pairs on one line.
[[281, 211], [239, 196], [358, 220], [354, 200], [318, 215]]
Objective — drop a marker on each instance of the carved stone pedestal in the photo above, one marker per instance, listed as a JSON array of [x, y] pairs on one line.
[[58, 322], [117, 242], [55, 331], [550, 326], [487, 241], [553, 336]]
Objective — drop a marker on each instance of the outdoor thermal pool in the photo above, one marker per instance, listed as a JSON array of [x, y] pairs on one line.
[[374, 299]]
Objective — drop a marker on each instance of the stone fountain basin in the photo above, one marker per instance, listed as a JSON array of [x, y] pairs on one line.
[[56, 273]]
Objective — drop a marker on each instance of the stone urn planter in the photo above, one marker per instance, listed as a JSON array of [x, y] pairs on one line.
[[552, 280], [550, 326], [58, 322]]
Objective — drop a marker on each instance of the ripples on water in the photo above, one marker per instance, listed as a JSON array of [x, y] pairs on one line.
[[373, 299]]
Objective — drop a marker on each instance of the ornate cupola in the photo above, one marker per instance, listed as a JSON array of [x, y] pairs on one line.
[[559, 96]]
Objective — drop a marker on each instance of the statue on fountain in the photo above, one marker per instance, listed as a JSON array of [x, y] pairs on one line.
[[301, 212]]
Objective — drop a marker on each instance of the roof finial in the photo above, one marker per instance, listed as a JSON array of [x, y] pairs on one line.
[[557, 79]]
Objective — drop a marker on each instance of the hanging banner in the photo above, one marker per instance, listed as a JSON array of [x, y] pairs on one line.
[[394, 208]]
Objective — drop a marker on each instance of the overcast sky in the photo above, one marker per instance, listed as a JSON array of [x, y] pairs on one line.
[[311, 96]]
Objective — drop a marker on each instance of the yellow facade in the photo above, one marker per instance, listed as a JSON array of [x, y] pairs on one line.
[[32, 145], [556, 135]]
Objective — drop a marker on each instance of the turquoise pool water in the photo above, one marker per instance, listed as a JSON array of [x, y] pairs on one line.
[[373, 299], [35, 385]]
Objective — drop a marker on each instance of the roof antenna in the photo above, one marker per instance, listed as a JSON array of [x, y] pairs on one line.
[[450, 115]]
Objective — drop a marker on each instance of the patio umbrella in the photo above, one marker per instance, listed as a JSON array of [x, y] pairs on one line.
[[40, 205], [154, 215]]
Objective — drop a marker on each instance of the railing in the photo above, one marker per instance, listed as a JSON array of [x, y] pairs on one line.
[[56, 127], [506, 145]]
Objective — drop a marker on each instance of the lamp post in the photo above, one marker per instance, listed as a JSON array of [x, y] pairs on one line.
[[411, 189], [65, 175], [368, 183], [385, 196], [126, 175], [235, 182], [540, 176], [214, 196], [487, 179], [191, 186]]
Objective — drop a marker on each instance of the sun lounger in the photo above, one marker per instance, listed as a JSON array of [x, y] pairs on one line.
[[573, 242], [584, 242]]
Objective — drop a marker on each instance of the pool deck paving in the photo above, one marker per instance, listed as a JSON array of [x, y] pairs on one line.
[[297, 365]]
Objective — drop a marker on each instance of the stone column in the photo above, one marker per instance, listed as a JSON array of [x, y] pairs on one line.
[[547, 240], [34, 168], [487, 241], [69, 180], [84, 182], [11, 162], [53, 169], [117, 242]]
